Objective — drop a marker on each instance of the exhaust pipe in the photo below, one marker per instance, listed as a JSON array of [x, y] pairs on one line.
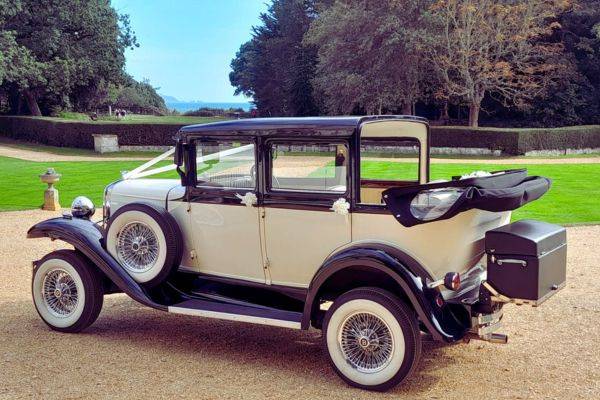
[[500, 338]]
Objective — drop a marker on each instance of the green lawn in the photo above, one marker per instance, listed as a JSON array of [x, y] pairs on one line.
[[23, 189], [574, 197]]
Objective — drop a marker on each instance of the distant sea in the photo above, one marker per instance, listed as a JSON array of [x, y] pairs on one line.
[[183, 106]]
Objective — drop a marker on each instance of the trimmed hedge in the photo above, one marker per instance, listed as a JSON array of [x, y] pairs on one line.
[[512, 141], [516, 141], [459, 136], [79, 134]]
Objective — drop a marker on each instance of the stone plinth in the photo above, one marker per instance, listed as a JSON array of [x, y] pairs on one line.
[[51, 200], [106, 143]]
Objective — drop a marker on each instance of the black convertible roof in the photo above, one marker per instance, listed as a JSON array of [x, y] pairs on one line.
[[322, 126]]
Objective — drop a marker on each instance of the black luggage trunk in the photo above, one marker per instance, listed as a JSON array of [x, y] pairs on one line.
[[527, 260]]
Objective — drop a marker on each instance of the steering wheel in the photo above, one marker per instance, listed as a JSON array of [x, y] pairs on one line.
[[253, 176]]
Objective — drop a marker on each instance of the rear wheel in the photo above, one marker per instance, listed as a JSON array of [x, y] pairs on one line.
[[67, 291], [372, 338]]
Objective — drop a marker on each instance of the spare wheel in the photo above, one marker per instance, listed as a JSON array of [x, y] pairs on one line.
[[146, 241]]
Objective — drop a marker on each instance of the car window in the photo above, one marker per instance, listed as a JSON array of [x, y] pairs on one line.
[[229, 164], [309, 167], [386, 163]]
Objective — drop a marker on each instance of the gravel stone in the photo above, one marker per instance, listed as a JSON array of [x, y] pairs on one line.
[[136, 352]]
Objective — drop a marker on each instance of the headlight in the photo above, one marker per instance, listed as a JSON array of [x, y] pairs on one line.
[[431, 204], [82, 207]]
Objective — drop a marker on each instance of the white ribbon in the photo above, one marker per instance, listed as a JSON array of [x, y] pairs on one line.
[[143, 171], [341, 206], [249, 199]]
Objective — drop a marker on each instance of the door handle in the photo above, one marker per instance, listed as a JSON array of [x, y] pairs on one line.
[[249, 199], [340, 206]]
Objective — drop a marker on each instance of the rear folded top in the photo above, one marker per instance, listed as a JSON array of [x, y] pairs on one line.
[[501, 191]]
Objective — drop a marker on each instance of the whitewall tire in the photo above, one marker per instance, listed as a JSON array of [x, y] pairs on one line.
[[372, 338], [67, 291], [145, 241]]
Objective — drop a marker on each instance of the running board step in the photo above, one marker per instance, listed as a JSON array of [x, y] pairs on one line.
[[234, 312]]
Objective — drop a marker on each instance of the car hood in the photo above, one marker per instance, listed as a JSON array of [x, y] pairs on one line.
[[148, 189]]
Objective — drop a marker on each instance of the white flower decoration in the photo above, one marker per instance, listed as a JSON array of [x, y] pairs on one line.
[[249, 199], [341, 206]]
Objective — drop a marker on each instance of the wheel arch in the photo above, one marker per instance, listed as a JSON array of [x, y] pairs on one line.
[[379, 265], [87, 238]]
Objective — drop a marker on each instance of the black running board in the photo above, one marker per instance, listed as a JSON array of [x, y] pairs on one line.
[[235, 312]]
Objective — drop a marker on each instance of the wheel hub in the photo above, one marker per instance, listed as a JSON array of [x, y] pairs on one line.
[[364, 342], [368, 340]]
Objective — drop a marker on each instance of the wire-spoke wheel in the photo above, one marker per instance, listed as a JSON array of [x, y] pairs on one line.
[[146, 242], [67, 291], [372, 338], [60, 292]]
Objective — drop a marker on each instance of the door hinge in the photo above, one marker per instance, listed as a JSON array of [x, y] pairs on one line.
[[267, 264], [192, 254], [262, 213]]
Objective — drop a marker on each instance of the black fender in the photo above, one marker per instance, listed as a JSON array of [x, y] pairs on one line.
[[87, 237], [441, 322]]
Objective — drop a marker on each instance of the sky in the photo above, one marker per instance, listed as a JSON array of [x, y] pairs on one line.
[[186, 46]]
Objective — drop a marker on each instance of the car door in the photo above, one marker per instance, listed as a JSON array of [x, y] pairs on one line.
[[303, 181], [224, 215]]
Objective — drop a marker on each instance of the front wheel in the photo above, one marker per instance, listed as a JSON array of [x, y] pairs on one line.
[[67, 291], [372, 338]]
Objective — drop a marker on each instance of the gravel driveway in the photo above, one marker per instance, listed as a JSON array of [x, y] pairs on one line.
[[135, 352]]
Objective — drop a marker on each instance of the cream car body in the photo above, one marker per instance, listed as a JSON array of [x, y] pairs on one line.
[[262, 235]]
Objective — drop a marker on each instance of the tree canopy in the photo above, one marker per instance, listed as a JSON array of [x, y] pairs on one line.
[[62, 53], [368, 57], [522, 61]]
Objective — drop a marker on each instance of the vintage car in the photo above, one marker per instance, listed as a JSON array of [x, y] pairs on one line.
[[330, 223]]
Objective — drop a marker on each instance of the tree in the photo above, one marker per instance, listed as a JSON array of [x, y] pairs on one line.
[[484, 47], [139, 97], [275, 68], [8, 45], [369, 56], [580, 34], [65, 48]]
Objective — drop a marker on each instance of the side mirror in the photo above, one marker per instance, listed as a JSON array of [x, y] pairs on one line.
[[178, 157]]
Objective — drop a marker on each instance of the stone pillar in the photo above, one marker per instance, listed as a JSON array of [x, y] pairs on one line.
[[50, 177]]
